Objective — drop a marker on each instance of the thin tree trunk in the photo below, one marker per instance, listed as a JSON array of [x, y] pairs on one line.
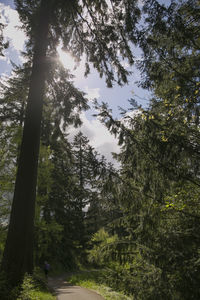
[[18, 253]]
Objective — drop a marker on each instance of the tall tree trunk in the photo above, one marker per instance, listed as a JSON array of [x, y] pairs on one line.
[[18, 253]]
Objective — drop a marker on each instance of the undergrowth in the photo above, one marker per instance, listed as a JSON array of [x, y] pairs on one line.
[[95, 280], [33, 288]]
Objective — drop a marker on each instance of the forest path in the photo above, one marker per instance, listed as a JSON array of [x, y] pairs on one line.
[[65, 291]]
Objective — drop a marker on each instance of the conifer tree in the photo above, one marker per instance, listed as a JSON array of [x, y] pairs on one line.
[[160, 165], [3, 45], [102, 39], [61, 97]]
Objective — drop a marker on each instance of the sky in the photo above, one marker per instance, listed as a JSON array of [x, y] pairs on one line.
[[94, 87]]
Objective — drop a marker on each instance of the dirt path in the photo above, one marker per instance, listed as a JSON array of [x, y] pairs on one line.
[[65, 291]]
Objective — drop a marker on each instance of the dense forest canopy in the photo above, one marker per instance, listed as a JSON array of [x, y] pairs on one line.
[[140, 222]]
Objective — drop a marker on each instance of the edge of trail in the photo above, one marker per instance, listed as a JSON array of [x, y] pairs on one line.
[[63, 290]]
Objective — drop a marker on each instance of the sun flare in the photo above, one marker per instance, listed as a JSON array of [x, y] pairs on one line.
[[66, 59]]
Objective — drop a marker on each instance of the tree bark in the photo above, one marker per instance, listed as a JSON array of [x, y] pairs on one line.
[[18, 253]]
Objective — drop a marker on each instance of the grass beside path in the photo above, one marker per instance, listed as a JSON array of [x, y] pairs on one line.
[[35, 288], [93, 280], [38, 295]]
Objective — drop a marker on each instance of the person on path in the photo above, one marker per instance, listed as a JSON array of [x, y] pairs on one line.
[[46, 268]]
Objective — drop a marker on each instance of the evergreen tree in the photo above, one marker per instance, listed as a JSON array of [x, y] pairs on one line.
[[58, 112], [3, 44], [160, 165], [87, 169], [12, 104], [106, 36]]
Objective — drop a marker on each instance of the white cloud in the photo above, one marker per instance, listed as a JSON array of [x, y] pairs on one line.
[[92, 93], [99, 137], [11, 32]]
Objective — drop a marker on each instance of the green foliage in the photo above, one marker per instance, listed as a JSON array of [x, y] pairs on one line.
[[27, 288], [3, 233], [105, 42], [99, 242], [96, 280], [134, 276], [148, 212], [159, 199], [138, 279], [32, 288], [158, 187]]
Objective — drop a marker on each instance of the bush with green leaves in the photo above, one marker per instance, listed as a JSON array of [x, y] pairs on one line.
[[32, 288]]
